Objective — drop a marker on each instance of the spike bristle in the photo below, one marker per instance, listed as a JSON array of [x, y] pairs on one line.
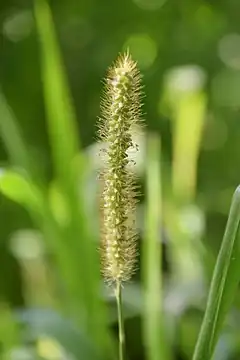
[[121, 110]]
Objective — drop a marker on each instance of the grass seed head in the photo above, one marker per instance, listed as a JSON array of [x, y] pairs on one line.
[[120, 112]]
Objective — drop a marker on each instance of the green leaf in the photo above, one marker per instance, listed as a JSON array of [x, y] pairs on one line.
[[80, 253], [153, 324], [60, 115], [19, 189], [12, 137], [224, 285]]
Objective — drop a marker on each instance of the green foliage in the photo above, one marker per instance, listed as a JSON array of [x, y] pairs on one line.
[[224, 285], [49, 101], [154, 333]]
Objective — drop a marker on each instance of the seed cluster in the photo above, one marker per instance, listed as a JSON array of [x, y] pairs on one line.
[[120, 111]]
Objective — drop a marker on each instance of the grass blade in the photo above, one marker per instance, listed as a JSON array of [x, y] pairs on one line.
[[12, 137], [60, 114], [190, 116], [223, 286], [79, 245], [63, 139], [155, 342]]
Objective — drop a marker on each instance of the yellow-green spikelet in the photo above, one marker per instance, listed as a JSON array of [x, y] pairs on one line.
[[120, 111]]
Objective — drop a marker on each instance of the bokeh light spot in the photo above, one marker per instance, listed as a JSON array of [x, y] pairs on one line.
[[26, 244], [150, 4], [229, 50], [20, 353], [18, 26], [143, 49], [186, 78], [192, 221], [50, 349]]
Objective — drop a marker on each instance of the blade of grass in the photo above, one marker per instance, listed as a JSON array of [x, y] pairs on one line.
[[190, 116], [224, 284], [60, 114], [12, 137], [153, 328], [187, 105], [61, 126], [25, 192], [40, 212], [63, 138], [16, 186]]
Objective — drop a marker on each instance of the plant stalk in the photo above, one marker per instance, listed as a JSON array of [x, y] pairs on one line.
[[121, 333]]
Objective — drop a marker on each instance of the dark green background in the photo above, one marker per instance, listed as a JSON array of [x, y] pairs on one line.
[[91, 34]]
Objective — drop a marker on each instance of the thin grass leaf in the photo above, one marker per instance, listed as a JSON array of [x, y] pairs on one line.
[[20, 189], [153, 328], [61, 125], [189, 119], [26, 192], [223, 286], [187, 105], [12, 137], [60, 114], [79, 245]]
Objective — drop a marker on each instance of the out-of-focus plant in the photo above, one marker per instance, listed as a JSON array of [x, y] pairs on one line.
[[184, 101], [68, 240], [118, 196], [57, 208], [224, 285]]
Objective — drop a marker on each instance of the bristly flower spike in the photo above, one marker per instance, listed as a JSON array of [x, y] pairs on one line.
[[121, 111]]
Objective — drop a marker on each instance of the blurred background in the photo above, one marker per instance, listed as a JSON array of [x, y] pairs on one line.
[[189, 55]]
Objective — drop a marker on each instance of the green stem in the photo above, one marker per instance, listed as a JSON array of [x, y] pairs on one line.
[[121, 333], [223, 286]]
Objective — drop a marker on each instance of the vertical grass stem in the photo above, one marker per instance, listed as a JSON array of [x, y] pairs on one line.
[[121, 332]]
